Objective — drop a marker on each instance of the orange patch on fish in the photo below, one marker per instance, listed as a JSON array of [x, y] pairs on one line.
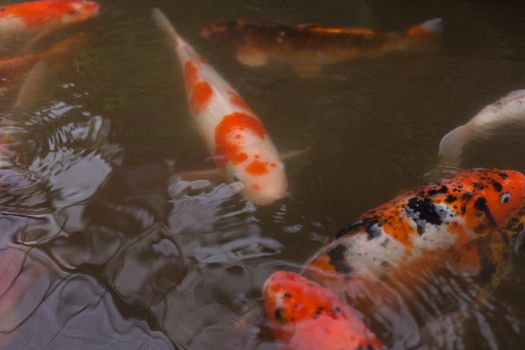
[[256, 187], [37, 14], [227, 146], [257, 168], [191, 73], [201, 94], [341, 30]]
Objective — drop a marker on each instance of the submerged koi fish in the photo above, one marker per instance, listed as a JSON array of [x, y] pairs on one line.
[[56, 50], [233, 133], [306, 316], [509, 109], [41, 16], [308, 46], [467, 221]]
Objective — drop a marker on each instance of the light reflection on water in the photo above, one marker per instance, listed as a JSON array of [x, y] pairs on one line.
[[103, 246]]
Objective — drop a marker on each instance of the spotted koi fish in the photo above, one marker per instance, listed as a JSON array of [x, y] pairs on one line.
[[467, 220], [233, 133], [41, 16], [309, 46], [306, 316]]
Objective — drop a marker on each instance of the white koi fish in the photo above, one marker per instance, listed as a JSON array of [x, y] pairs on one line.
[[508, 109], [233, 133]]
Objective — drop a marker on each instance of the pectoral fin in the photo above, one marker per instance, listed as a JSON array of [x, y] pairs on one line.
[[252, 57], [294, 154]]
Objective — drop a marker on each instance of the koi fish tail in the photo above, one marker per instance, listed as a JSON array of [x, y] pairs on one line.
[[432, 27]]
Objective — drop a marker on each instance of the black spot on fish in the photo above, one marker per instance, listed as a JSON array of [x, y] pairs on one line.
[[373, 231], [287, 295], [425, 210], [467, 196], [503, 175], [319, 310], [337, 259], [479, 186], [279, 314], [481, 205], [451, 199], [497, 186]]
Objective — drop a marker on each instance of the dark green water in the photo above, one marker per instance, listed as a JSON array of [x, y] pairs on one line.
[[103, 250]]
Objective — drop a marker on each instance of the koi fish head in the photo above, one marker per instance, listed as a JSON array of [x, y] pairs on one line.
[[304, 315], [499, 194], [246, 154], [50, 14], [264, 181]]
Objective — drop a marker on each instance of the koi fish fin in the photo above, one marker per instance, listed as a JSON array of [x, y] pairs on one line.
[[251, 57], [431, 27], [34, 83], [308, 71], [451, 145], [294, 154]]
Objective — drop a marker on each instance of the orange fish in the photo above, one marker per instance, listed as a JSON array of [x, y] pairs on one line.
[[233, 133], [466, 220], [42, 16], [305, 316], [309, 46]]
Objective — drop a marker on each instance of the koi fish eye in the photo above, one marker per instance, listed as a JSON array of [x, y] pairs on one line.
[[505, 198], [236, 177]]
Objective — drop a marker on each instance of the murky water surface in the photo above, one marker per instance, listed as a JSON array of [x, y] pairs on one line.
[[101, 248]]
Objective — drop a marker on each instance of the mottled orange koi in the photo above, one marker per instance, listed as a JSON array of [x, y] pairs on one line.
[[306, 316], [454, 221]]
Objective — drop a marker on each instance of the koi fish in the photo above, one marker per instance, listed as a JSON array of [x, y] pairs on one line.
[[309, 46], [233, 133], [43, 16], [466, 220], [508, 109], [58, 49], [304, 315]]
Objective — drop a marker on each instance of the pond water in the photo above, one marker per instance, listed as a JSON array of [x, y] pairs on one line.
[[101, 247]]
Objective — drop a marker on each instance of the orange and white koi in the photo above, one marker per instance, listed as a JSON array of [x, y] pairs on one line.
[[44, 15], [466, 220], [233, 133], [312, 45], [306, 316]]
